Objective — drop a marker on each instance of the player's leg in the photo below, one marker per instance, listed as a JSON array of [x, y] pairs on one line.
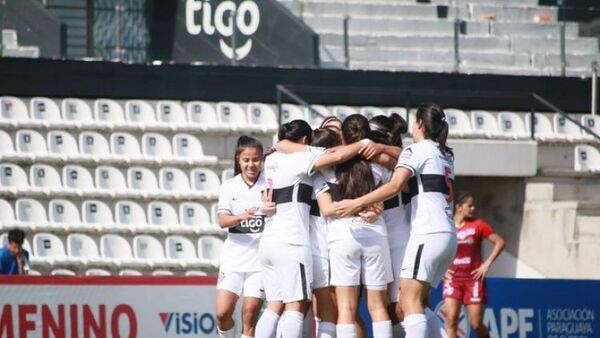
[[345, 264], [267, 323], [475, 299], [476, 320], [452, 294], [296, 278], [253, 299], [325, 311], [377, 274], [229, 287], [347, 308]]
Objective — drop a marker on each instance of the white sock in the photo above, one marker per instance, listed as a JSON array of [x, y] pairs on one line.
[[398, 331], [382, 329], [292, 325], [266, 327], [325, 329], [226, 334], [415, 325], [435, 328], [243, 336], [345, 330]]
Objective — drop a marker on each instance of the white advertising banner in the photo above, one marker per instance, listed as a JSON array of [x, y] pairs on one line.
[[102, 307]]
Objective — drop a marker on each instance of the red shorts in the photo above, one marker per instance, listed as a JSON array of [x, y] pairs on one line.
[[468, 291]]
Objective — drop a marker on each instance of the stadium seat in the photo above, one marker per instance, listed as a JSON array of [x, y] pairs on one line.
[[97, 215], [512, 125], [171, 114], [181, 250], [31, 213], [45, 179], [566, 129], [459, 124], [227, 174], [316, 117], [343, 111], [143, 181], [400, 111], [214, 217], [125, 147], [148, 250], [484, 124], [110, 180], [587, 158], [13, 178], [371, 112], [290, 112], [78, 112], [77, 180], [117, 250], [97, 272], [7, 216], [205, 182], [83, 248], [48, 248], [593, 123], [63, 272], [202, 115], [173, 181], [162, 216], [195, 216], [62, 145], [94, 146], [209, 249], [13, 111], [34, 273], [7, 148], [188, 149], [46, 112], [156, 147], [163, 273], [543, 127], [232, 115], [31, 144], [130, 215], [108, 113], [64, 214], [129, 272], [261, 117], [140, 114], [195, 273]]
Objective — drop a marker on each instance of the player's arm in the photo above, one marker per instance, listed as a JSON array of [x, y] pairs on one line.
[[339, 154], [373, 150], [483, 269], [288, 147], [229, 221], [325, 203]]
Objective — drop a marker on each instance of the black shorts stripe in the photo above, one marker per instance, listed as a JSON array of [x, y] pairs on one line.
[[418, 261], [393, 202], [286, 194], [303, 280]]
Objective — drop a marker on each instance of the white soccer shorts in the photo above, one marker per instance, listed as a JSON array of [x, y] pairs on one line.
[[287, 271], [320, 272], [246, 284], [359, 261], [427, 257]]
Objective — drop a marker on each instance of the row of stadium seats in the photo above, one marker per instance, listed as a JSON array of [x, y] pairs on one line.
[[125, 272], [141, 182], [115, 250], [92, 146], [587, 159], [97, 216]]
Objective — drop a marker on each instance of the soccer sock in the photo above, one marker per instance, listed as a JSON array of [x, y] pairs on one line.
[[435, 329], [325, 329], [226, 334], [292, 325], [345, 330], [244, 336], [382, 329], [398, 331], [415, 325], [267, 325]]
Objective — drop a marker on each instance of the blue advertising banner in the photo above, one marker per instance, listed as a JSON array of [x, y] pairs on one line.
[[533, 308]]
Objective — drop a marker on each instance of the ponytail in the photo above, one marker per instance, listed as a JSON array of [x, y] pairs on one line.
[[436, 128]]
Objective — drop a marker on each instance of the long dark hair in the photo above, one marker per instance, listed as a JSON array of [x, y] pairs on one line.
[[460, 198], [355, 177], [325, 138], [388, 130], [436, 128], [294, 131], [244, 142]]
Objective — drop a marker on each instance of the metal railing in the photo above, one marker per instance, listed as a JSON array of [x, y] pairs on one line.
[[557, 110]]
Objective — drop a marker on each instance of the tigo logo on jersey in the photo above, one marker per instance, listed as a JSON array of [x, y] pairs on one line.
[[188, 323]]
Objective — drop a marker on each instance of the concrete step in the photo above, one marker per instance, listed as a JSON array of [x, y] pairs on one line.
[[513, 13], [373, 9], [579, 45], [534, 29], [573, 60], [587, 230], [488, 2]]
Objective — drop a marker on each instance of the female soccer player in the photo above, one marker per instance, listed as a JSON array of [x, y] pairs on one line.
[[285, 248], [238, 211], [428, 167], [464, 282]]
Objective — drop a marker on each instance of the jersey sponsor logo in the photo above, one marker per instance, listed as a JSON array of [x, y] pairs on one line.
[[462, 234], [252, 225], [188, 323], [462, 261]]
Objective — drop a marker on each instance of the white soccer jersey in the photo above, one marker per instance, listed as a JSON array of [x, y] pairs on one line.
[[240, 251], [430, 187], [288, 175]]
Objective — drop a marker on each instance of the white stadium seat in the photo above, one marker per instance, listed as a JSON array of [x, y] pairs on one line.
[[174, 181], [194, 216], [261, 117], [45, 111], [77, 111], [62, 145], [587, 158], [187, 148], [209, 249], [7, 148], [13, 111], [484, 124], [129, 272], [142, 180], [543, 127], [130, 215], [45, 179], [402, 112], [162, 216], [63, 272], [343, 111], [7, 216], [83, 248], [171, 114], [34, 272], [162, 273], [108, 113], [566, 129], [180, 250], [94, 146], [49, 248], [156, 147], [232, 115], [512, 125], [64, 214], [116, 249], [30, 143], [290, 112], [593, 123], [31, 213], [110, 180], [97, 272], [227, 174], [149, 250], [459, 124], [371, 112], [13, 178], [203, 115], [125, 147], [77, 179], [214, 215], [205, 182], [195, 273], [140, 114], [97, 215], [316, 117]]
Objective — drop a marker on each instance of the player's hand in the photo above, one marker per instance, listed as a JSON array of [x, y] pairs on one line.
[[268, 208], [346, 207], [480, 272], [249, 213], [371, 150], [448, 276], [368, 216]]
